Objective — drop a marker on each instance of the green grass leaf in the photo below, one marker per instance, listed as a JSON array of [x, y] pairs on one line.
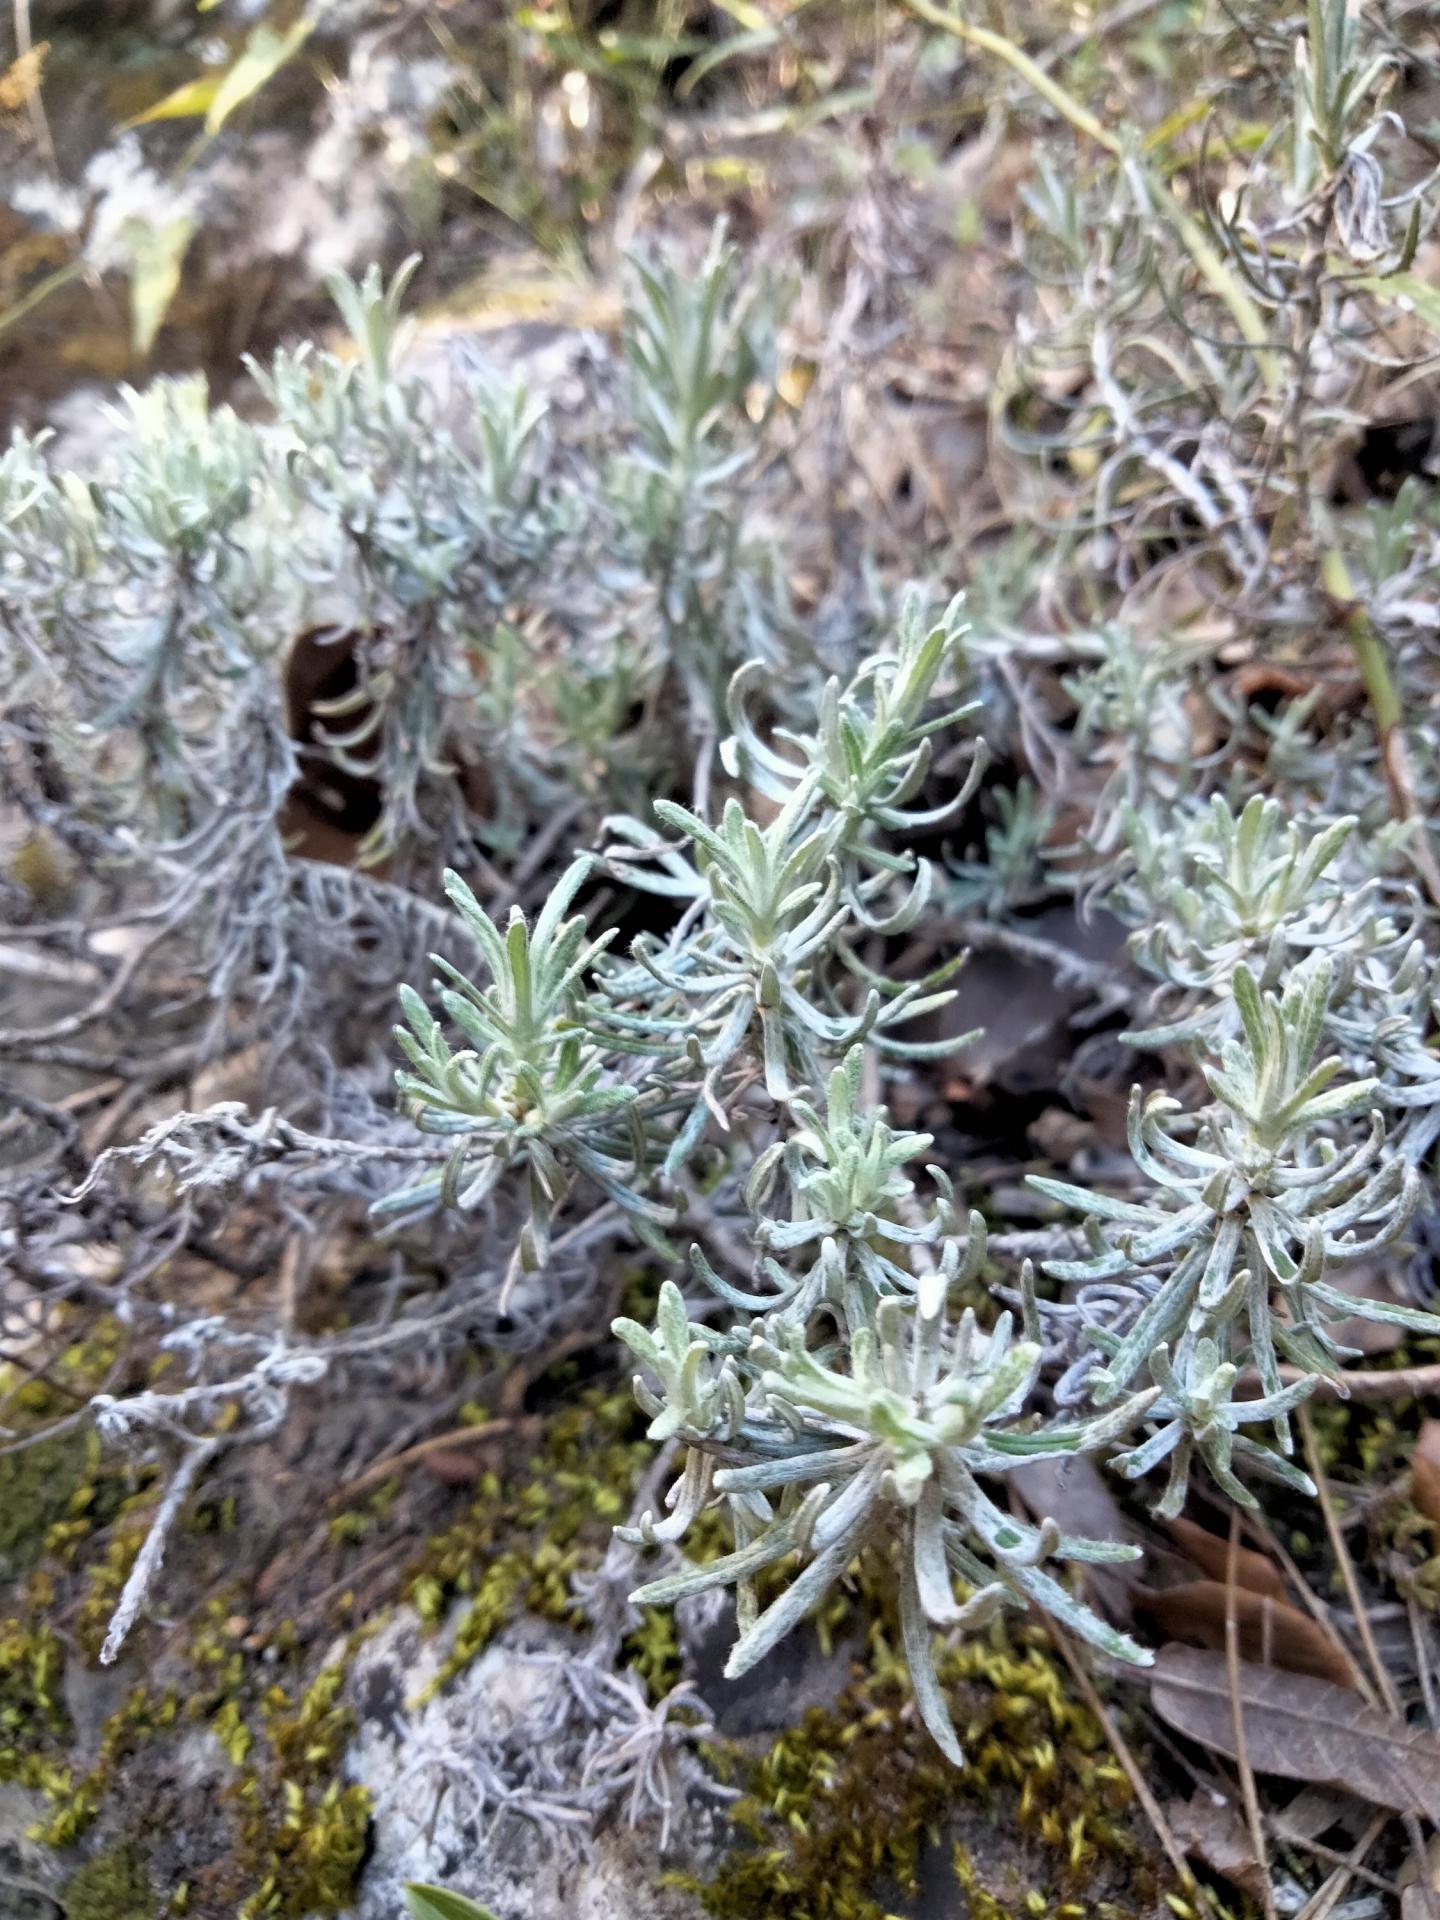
[[434, 1903], [157, 254]]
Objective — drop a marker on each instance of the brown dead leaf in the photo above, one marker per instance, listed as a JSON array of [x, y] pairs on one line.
[[1299, 1728], [1420, 1897], [1214, 1832], [453, 1466], [1211, 1554], [1271, 1633], [1425, 1486], [1428, 1440]]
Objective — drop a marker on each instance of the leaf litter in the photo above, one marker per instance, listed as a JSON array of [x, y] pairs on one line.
[[1300, 1728]]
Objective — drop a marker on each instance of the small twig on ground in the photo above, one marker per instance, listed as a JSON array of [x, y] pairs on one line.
[[1330, 1855], [1260, 1531], [1248, 1794], [1383, 1692], [382, 1557], [1384, 1685], [147, 1561], [1330, 1895], [1369, 1386], [1100, 28], [1425, 1661], [1130, 1766], [1387, 713], [390, 1463]]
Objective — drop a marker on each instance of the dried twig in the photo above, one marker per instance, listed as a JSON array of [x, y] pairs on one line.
[[1248, 1794], [390, 1463], [1370, 1386], [147, 1561], [1140, 1786], [1384, 1685]]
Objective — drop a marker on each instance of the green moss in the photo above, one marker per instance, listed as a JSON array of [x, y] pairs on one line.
[[56, 1490], [33, 1721], [303, 1831], [841, 1810], [141, 1716], [55, 1493], [112, 1886], [652, 1652], [39, 1488], [532, 1528]]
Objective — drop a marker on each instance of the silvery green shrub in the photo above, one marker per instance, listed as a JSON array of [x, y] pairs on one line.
[[578, 619]]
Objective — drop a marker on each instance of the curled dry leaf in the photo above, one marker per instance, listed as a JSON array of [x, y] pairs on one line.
[[1425, 1486], [1213, 1831], [1271, 1633], [1299, 1728], [452, 1465], [1211, 1554]]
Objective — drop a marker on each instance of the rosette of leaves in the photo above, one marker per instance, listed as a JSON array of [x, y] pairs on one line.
[[1388, 1018], [869, 757], [1131, 717], [1011, 873], [1266, 891], [143, 597], [1197, 1412], [51, 577], [537, 1088], [854, 1225], [757, 968], [886, 1442], [1250, 1205], [701, 1393], [1223, 891]]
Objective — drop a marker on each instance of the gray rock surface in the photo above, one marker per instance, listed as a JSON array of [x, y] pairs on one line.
[[531, 1846]]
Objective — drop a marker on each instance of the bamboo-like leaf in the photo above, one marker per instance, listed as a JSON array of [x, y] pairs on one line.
[[437, 1903], [265, 52], [157, 254]]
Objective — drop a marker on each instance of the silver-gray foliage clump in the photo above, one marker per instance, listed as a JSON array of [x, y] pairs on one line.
[[853, 1401], [535, 637]]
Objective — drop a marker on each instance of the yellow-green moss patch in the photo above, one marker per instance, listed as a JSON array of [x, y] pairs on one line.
[[843, 1811], [112, 1886]]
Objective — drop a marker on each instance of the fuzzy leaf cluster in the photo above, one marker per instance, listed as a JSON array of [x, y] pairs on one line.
[[1249, 1205]]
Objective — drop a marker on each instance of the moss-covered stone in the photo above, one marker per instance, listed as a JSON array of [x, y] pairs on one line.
[[112, 1886], [55, 1489], [531, 1528], [846, 1813], [40, 1490], [33, 1721], [303, 1830]]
